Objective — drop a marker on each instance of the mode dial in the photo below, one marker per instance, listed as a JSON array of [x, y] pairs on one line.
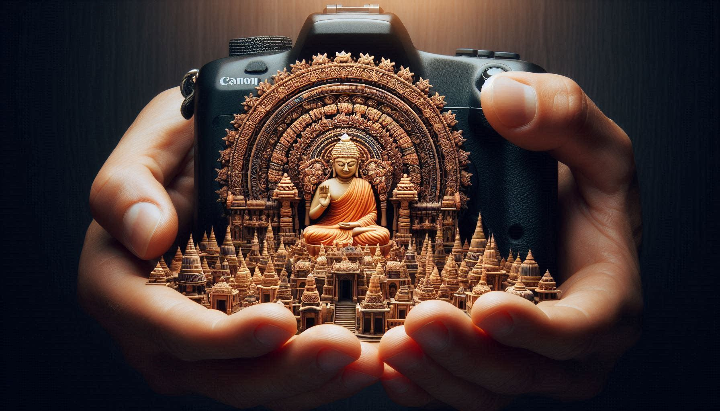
[[259, 44]]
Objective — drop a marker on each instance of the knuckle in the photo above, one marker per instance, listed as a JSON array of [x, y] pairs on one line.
[[107, 188], [101, 179], [571, 105], [174, 345]]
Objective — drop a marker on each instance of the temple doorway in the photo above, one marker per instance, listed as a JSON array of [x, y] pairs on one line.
[[345, 290]]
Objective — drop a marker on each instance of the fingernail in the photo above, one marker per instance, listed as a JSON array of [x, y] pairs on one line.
[[396, 385], [497, 324], [270, 335], [433, 335], [513, 102], [332, 360], [357, 379], [139, 224]]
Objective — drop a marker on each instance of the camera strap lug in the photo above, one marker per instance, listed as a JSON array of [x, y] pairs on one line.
[[187, 88]]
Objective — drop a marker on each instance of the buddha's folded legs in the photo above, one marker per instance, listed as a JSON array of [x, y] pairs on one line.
[[372, 235], [327, 235]]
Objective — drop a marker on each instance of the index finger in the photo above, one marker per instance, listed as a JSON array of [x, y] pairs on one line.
[[599, 311], [111, 286]]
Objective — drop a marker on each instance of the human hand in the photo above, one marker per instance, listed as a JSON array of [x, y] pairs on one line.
[[324, 192], [565, 348], [139, 198]]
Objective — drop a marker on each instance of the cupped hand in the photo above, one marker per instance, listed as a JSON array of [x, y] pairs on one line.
[[139, 198], [509, 346], [349, 225]]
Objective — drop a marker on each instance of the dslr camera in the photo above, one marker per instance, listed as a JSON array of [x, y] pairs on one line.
[[268, 116]]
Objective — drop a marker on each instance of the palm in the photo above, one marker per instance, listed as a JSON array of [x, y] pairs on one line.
[[593, 229]]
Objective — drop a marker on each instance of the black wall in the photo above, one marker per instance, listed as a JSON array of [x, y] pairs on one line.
[[75, 74]]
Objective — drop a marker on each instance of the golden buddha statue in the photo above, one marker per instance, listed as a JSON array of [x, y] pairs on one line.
[[344, 206]]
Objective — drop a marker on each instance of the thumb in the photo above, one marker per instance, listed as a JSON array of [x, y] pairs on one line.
[[551, 113], [128, 197]]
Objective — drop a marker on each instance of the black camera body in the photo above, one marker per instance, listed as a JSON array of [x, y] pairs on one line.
[[515, 189]]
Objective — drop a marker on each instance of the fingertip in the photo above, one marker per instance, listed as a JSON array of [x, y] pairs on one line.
[[369, 360], [519, 106], [147, 230], [333, 338], [273, 313], [511, 102], [432, 311], [272, 326], [252, 332], [128, 202], [365, 370], [502, 315], [392, 342], [434, 325], [398, 350]]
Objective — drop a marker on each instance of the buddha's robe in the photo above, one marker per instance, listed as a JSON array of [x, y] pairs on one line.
[[357, 204]]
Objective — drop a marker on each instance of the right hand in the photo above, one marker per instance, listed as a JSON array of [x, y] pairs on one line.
[[139, 199], [563, 348], [324, 198]]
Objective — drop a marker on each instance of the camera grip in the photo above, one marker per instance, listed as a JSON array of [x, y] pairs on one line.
[[516, 191]]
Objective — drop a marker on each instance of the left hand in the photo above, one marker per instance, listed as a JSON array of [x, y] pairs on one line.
[[140, 199], [349, 226], [509, 346]]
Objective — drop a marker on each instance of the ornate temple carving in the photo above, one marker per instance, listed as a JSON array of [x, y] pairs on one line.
[[279, 149]]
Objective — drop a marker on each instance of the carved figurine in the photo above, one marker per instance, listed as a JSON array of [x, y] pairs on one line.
[[345, 204]]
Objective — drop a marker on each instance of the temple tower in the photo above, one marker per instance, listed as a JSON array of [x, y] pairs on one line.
[[287, 195], [477, 245], [496, 275], [480, 288], [546, 289], [403, 196], [310, 307], [373, 310], [530, 272], [176, 262], [191, 279], [157, 276]]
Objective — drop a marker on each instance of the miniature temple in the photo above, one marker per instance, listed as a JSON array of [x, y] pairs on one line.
[[353, 286], [343, 182]]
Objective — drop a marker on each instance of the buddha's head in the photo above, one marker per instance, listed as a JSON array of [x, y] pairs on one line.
[[345, 158]]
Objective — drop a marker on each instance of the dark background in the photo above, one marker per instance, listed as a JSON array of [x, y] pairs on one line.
[[75, 74]]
